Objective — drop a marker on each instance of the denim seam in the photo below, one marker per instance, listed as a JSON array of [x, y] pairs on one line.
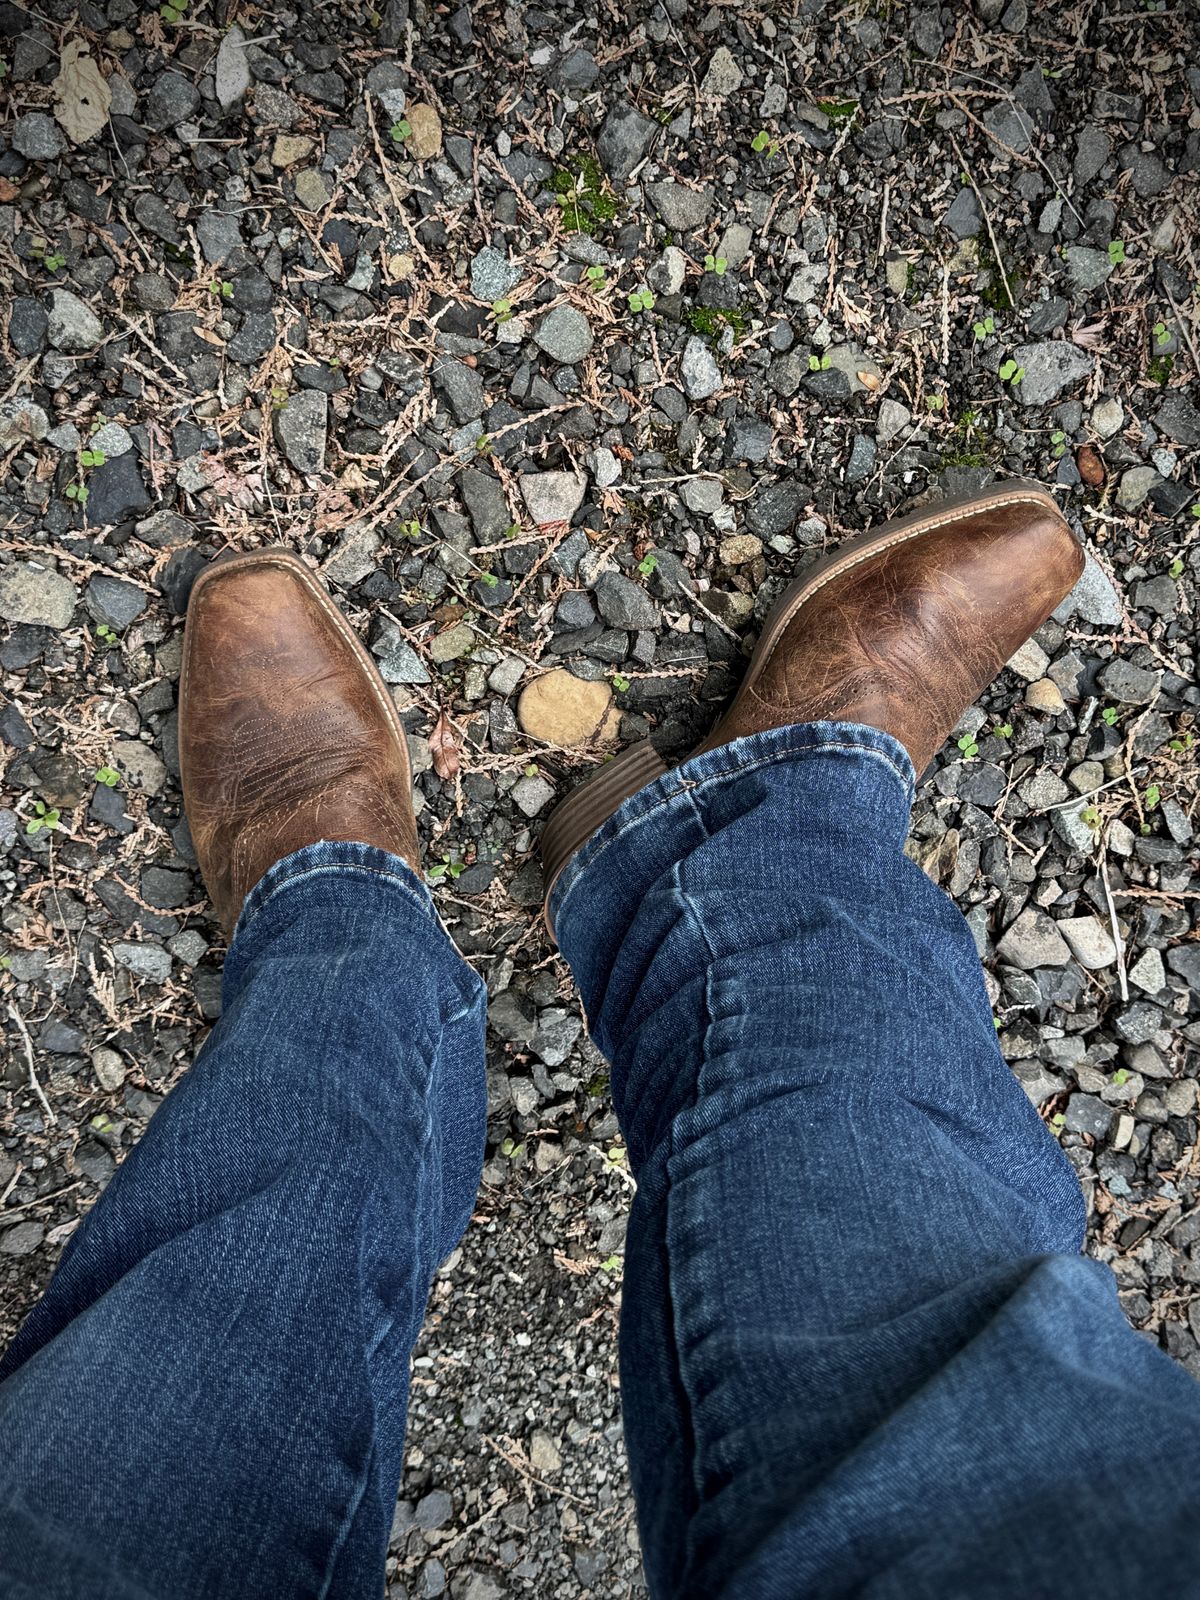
[[575, 867], [696, 1473]]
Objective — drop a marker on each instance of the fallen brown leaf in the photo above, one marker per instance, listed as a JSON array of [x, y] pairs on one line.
[[1089, 335], [444, 748], [8, 189], [81, 94], [1091, 465]]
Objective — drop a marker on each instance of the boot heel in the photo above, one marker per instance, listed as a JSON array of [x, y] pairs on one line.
[[575, 819]]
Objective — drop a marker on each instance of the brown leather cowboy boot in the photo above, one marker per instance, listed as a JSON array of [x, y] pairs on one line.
[[287, 733], [900, 629]]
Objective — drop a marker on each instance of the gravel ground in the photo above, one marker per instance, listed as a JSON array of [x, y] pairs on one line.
[[559, 347]]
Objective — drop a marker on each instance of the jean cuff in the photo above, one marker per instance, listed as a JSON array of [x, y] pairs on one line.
[[792, 742], [340, 858]]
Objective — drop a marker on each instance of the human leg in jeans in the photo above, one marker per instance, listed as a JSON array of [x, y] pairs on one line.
[[860, 1354], [860, 1351], [209, 1402]]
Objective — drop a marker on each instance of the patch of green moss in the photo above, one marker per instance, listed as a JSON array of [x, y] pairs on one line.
[[584, 199], [709, 322], [1159, 369], [974, 444], [838, 110]]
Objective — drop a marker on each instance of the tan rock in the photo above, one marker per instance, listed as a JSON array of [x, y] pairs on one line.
[[568, 711], [1045, 695], [425, 140], [741, 548], [289, 148], [312, 192]]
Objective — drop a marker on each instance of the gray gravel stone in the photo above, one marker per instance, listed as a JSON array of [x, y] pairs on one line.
[[116, 491], [564, 334], [1033, 941], [398, 661], [493, 274], [625, 139], [1088, 1114], [681, 208], [964, 219], [1093, 598], [1093, 149], [1148, 973], [531, 795], [1090, 941], [699, 370], [300, 427], [231, 75], [723, 77], [775, 508], [462, 389], [1132, 686], [113, 602], [1050, 367], [149, 961], [21, 422], [37, 137], [1087, 269], [624, 604], [36, 595], [74, 326]]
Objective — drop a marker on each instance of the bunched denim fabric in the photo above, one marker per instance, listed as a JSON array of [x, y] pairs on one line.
[[209, 1402], [861, 1355]]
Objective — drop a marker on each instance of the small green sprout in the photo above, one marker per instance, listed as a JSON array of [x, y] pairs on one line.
[[613, 1264], [1004, 731], [641, 300], [1162, 335], [717, 264], [54, 262], [222, 288], [401, 130], [173, 11], [489, 580], [1175, 570], [532, 770], [647, 564], [484, 444], [1058, 440], [92, 458], [595, 276], [105, 634], [1183, 745], [1120, 1076], [44, 819], [279, 397], [502, 310], [620, 682], [1090, 818], [1058, 1121], [513, 531], [1010, 372], [1196, 509], [968, 747], [616, 1154], [108, 776], [761, 141], [819, 363], [514, 1152], [985, 326], [1109, 716], [936, 402], [410, 529], [76, 492], [1152, 796], [1116, 252]]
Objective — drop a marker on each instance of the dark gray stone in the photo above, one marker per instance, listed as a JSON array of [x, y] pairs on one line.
[[461, 387], [625, 604], [113, 602], [775, 508], [625, 139], [964, 219], [116, 491]]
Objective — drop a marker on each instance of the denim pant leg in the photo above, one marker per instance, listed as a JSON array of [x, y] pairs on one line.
[[209, 1402], [861, 1353]]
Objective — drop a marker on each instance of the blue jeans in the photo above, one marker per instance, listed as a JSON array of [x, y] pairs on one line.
[[861, 1353]]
